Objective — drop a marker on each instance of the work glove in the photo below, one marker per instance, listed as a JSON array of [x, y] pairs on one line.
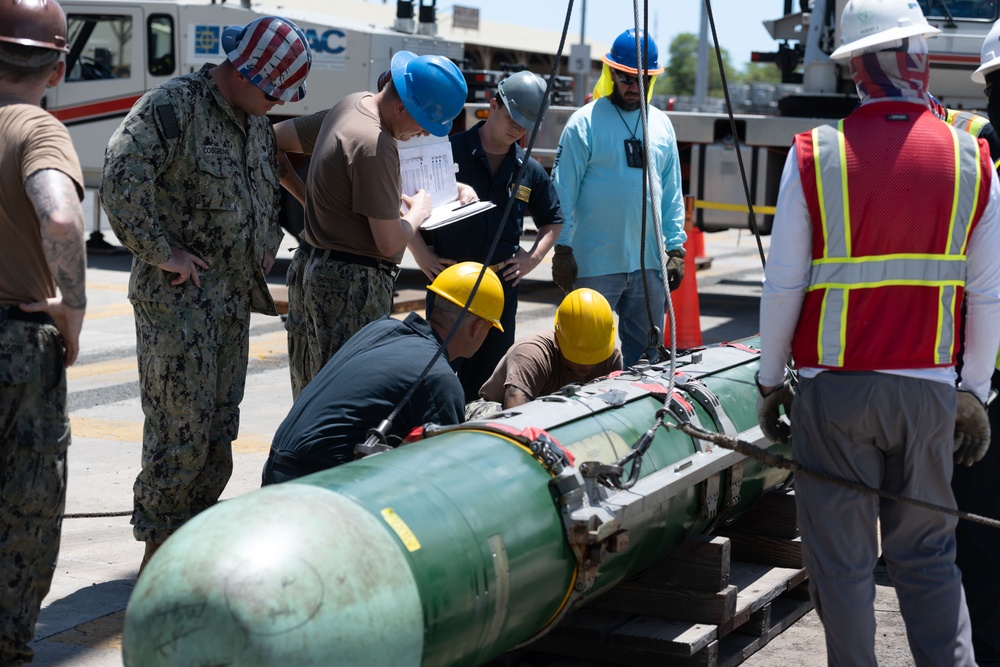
[[675, 267], [972, 429], [768, 403], [564, 267]]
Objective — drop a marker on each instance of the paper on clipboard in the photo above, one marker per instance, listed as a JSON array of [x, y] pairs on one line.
[[427, 163], [453, 212]]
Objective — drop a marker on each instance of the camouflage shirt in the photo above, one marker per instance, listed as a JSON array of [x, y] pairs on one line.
[[182, 171]]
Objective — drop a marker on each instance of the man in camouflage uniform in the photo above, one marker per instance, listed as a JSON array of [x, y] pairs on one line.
[[191, 188], [41, 224]]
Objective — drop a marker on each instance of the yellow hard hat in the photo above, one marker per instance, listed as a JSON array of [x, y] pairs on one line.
[[455, 284], [585, 327]]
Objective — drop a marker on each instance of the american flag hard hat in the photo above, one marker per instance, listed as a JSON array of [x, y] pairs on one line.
[[272, 53]]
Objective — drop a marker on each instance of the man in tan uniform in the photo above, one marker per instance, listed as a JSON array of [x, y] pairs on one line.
[[342, 276], [41, 224], [580, 349]]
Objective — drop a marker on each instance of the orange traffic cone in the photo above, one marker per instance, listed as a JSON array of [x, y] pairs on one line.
[[696, 238], [686, 308], [687, 311], [696, 242]]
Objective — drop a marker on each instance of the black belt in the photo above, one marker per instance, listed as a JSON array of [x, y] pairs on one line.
[[350, 258], [15, 314]]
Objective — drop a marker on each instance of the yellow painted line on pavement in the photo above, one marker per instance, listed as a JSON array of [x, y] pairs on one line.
[[112, 310], [252, 443], [269, 345], [262, 347], [117, 430], [108, 287], [102, 368]]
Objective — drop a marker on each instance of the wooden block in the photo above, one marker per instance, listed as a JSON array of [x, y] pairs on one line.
[[617, 655], [700, 563], [775, 551], [671, 603], [736, 649], [758, 586], [774, 515], [758, 624], [589, 624], [785, 611], [655, 635]]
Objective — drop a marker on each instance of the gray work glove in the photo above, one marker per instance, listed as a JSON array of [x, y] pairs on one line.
[[564, 267], [972, 429], [768, 403], [675, 267]]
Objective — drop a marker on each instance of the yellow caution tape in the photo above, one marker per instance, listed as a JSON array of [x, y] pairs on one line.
[[739, 208]]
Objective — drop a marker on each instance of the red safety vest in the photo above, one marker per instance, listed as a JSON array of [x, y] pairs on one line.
[[893, 194]]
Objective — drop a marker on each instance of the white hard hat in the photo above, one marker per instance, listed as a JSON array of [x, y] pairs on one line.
[[990, 58], [868, 24]]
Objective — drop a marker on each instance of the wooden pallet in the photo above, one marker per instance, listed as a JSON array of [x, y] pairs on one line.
[[712, 602]]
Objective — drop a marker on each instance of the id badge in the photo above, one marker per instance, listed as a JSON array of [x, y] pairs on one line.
[[633, 153]]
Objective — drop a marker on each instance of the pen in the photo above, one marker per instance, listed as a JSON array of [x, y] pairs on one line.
[[464, 205]]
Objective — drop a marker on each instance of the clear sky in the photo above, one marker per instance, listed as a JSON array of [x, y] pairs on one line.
[[738, 22]]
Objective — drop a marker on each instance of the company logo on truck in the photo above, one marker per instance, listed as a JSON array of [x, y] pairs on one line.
[[206, 40], [330, 41], [329, 46]]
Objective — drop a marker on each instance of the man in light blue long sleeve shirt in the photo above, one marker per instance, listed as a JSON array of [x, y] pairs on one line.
[[598, 176]]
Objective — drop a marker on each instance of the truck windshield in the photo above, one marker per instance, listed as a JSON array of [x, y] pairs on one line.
[[960, 9], [100, 47]]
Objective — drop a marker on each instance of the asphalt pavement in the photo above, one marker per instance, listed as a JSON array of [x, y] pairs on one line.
[[82, 617]]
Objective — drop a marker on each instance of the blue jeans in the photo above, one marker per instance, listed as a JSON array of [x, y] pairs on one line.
[[625, 293]]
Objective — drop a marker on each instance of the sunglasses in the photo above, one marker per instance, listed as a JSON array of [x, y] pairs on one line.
[[987, 90], [631, 80], [270, 98]]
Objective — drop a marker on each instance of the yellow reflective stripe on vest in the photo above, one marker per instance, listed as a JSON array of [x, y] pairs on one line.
[[829, 155], [970, 122], [838, 271]]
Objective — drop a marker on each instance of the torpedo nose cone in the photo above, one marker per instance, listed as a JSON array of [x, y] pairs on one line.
[[277, 578]]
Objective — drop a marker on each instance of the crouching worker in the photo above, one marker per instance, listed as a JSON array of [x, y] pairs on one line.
[[368, 377], [580, 349]]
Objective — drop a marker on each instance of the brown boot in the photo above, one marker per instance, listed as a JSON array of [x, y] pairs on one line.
[[151, 548]]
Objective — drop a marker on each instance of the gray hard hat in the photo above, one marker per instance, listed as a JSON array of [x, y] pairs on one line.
[[523, 94]]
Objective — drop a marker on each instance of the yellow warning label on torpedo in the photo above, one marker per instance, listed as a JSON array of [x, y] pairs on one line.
[[403, 531]]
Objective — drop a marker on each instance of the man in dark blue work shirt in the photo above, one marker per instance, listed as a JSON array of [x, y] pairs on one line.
[[489, 158], [366, 379]]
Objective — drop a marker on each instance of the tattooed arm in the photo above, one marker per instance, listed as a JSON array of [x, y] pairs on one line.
[[57, 204]]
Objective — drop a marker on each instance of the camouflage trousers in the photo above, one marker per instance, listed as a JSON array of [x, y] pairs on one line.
[[192, 373], [34, 435], [481, 409], [328, 302]]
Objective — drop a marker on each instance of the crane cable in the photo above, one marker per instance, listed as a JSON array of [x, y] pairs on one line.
[[635, 454], [376, 438]]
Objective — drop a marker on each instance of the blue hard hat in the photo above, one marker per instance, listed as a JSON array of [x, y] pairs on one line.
[[432, 89], [622, 54]]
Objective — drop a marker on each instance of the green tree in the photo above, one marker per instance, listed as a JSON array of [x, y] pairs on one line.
[[682, 67], [761, 73]]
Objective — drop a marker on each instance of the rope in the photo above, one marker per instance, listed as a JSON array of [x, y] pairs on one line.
[[736, 138], [778, 461], [96, 515], [376, 437]]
